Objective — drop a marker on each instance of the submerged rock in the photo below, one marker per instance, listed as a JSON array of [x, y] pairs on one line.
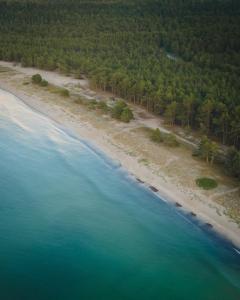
[[153, 188]]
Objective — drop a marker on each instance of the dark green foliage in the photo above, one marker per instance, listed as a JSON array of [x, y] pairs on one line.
[[167, 138], [156, 136], [177, 58], [207, 149], [64, 92], [121, 111], [232, 162], [170, 140], [206, 183], [37, 79], [44, 83], [102, 105], [126, 115], [92, 104], [117, 109]]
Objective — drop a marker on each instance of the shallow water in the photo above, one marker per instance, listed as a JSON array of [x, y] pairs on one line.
[[73, 225]]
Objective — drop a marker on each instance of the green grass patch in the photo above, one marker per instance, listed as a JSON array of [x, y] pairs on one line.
[[206, 183], [64, 92], [58, 90], [143, 161], [37, 79], [158, 137]]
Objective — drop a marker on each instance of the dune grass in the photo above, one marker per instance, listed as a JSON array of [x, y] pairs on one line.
[[206, 183]]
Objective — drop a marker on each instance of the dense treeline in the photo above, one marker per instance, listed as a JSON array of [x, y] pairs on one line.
[[178, 58]]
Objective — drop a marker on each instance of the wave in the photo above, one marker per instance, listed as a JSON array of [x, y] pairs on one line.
[[238, 252]]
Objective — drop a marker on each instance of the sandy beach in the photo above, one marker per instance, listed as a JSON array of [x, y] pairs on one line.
[[171, 171]]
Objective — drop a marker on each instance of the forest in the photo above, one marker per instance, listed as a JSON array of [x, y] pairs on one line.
[[178, 58]]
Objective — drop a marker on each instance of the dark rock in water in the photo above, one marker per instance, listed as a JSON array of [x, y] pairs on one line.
[[193, 214], [139, 180], [209, 225], [178, 204], [153, 188]]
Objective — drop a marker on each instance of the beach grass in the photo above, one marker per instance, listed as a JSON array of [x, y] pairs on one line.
[[206, 183]]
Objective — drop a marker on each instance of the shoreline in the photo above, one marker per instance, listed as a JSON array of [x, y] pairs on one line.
[[142, 174]]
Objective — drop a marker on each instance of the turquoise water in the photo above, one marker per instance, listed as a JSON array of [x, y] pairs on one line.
[[74, 225]]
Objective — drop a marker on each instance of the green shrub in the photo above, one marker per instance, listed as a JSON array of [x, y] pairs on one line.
[[206, 183], [44, 82], [126, 115], [64, 92], [156, 136], [118, 109], [103, 106], [170, 140], [37, 78], [92, 104]]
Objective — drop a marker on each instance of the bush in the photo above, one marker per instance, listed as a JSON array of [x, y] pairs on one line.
[[118, 109], [37, 78], [44, 82], [92, 104], [103, 106], [64, 92], [170, 140], [156, 136], [126, 115], [206, 183]]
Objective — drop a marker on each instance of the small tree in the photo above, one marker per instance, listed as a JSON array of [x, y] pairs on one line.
[[37, 78], [156, 136], [213, 151], [118, 109], [170, 113], [207, 150], [203, 148], [126, 115], [232, 162]]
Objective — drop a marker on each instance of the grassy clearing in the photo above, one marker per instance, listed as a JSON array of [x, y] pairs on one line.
[[3, 69], [119, 110], [206, 183], [58, 90], [160, 137]]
